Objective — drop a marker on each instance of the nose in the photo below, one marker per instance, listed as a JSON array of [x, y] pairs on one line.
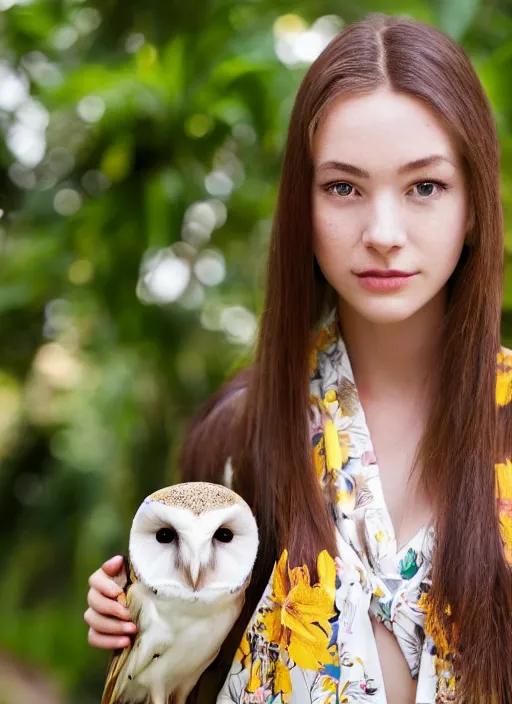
[[385, 229]]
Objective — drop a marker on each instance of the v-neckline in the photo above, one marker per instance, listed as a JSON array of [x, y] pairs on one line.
[[402, 550], [406, 546], [385, 578], [358, 432]]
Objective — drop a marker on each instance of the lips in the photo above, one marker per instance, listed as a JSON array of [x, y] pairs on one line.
[[385, 281], [384, 273]]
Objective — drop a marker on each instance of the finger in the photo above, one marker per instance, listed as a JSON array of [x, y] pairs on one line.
[[107, 607], [97, 640], [116, 570], [104, 584], [108, 626], [113, 565], [121, 577]]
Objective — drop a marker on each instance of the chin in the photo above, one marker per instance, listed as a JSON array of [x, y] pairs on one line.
[[387, 311]]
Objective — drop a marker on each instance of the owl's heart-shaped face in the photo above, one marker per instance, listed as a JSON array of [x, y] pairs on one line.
[[193, 539]]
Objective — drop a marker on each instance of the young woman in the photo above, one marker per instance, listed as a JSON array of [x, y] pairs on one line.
[[384, 570]]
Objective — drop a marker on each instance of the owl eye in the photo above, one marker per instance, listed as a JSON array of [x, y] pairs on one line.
[[224, 535], [165, 535]]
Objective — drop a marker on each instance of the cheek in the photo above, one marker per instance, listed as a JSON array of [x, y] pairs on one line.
[[444, 238], [331, 232]]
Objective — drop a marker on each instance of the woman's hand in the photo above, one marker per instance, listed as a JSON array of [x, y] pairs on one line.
[[109, 621]]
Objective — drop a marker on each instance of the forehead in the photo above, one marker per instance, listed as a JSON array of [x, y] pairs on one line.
[[381, 131]]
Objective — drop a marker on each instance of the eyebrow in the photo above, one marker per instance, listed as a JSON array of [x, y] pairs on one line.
[[410, 166]]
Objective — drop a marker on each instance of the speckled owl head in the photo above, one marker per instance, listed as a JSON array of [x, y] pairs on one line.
[[195, 539]]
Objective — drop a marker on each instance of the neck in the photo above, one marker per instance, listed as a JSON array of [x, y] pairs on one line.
[[394, 358]]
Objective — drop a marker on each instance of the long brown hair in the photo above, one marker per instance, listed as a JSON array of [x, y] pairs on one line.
[[464, 436]]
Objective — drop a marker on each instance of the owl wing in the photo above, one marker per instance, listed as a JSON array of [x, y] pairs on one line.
[[119, 657]]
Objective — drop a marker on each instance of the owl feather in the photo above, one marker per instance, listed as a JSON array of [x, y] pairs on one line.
[[119, 656], [191, 554]]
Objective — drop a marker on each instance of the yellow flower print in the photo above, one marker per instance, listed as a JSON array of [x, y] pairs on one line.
[[319, 457], [326, 568], [344, 697], [254, 679], [329, 685], [382, 536], [282, 682], [327, 336], [506, 532], [243, 653], [336, 446], [437, 630], [333, 453], [504, 495], [330, 396], [504, 379], [299, 620], [324, 339], [504, 480]]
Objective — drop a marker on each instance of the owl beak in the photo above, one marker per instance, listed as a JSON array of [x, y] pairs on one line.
[[194, 573]]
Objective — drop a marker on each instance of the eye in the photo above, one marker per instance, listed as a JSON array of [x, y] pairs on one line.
[[223, 535], [426, 189], [166, 535], [340, 188]]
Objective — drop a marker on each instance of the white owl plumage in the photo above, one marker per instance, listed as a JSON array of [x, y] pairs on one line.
[[191, 552]]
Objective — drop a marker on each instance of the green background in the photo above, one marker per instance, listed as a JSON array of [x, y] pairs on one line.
[[140, 147]]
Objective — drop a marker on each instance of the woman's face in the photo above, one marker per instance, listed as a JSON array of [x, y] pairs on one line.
[[375, 209]]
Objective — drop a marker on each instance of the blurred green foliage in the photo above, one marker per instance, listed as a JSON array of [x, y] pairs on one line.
[[140, 148]]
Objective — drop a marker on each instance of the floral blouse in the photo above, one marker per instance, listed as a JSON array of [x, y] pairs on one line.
[[315, 642]]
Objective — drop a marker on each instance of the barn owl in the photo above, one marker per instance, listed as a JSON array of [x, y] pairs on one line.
[[192, 548]]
